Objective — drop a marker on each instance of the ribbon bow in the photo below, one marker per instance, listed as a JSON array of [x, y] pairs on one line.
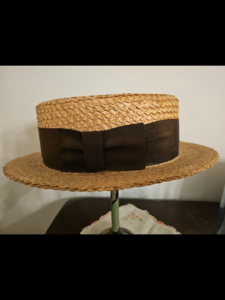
[[118, 149]]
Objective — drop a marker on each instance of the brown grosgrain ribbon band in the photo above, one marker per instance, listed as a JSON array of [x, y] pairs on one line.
[[125, 148]]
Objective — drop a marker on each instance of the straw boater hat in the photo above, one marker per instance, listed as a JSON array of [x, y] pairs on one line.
[[108, 142]]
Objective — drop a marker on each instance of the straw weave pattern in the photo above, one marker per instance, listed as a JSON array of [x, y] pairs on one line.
[[30, 170], [103, 112]]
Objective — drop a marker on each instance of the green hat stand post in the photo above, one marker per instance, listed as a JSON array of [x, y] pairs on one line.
[[115, 229]]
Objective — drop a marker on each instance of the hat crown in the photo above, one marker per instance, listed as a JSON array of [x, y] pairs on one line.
[[103, 112]]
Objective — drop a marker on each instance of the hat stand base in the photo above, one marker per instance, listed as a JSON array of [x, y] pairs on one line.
[[120, 231], [115, 229]]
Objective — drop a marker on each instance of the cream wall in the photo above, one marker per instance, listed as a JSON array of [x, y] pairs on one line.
[[200, 89]]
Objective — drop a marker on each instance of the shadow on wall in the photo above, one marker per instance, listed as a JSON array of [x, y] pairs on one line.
[[36, 222], [18, 200], [15, 144], [205, 186]]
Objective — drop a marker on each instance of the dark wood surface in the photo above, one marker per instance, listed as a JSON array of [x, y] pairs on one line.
[[188, 217]]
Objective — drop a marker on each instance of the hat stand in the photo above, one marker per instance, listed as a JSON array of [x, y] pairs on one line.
[[115, 229]]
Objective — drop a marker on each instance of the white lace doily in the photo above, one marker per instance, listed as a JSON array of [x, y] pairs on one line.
[[136, 220]]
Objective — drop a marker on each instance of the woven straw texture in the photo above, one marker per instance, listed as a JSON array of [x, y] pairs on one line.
[[31, 171], [102, 112]]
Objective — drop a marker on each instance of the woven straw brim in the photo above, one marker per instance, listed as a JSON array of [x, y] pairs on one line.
[[30, 170]]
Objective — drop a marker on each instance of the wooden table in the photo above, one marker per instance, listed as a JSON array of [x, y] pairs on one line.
[[188, 217]]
